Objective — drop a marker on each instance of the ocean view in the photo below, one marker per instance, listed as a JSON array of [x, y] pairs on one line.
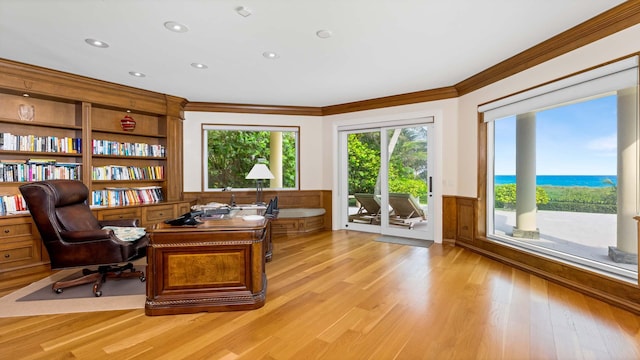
[[563, 180]]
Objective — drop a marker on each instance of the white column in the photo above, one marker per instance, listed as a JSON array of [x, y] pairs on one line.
[[627, 172], [275, 161], [526, 222]]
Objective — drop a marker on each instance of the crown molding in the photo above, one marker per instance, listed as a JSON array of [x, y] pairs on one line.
[[609, 22], [20, 78], [394, 100], [253, 109]]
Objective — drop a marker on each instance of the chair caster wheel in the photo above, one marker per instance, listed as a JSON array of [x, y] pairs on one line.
[[98, 293], [142, 278], [58, 291]]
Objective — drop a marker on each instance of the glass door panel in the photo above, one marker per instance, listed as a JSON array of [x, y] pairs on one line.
[[386, 178], [407, 191], [363, 179]]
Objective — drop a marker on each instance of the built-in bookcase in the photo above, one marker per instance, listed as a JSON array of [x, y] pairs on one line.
[[50, 122]]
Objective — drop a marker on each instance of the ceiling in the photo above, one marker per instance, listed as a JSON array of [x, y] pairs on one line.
[[378, 47]]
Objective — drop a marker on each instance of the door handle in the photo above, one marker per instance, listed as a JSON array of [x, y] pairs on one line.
[[430, 185]]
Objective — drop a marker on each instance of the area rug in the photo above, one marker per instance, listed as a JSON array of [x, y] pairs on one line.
[[39, 299], [404, 241]]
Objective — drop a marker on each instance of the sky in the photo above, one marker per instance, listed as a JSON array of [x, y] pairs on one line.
[[575, 139]]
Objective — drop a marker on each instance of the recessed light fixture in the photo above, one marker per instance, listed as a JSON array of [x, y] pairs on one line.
[[25, 95], [136, 74], [176, 27], [96, 43], [324, 34], [270, 55], [199, 66], [243, 11]]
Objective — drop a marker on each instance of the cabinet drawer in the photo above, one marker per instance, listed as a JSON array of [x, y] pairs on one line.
[[119, 214], [24, 252], [15, 230], [154, 214]]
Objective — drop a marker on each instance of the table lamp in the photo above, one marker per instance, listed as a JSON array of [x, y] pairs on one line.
[[259, 172]]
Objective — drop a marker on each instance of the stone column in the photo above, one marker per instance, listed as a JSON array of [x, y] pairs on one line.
[[526, 222], [275, 161], [626, 249]]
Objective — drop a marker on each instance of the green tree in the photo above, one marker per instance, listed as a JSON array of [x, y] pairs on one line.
[[505, 196], [364, 162], [232, 154]]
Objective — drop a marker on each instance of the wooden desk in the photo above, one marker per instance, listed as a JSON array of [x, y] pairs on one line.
[[218, 265]]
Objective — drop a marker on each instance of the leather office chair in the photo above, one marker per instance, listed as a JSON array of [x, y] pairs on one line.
[[73, 236]]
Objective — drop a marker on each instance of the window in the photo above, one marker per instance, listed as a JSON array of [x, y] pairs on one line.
[[562, 169], [231, 151]]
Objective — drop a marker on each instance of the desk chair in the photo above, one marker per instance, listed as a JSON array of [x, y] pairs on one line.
[[73, 236]]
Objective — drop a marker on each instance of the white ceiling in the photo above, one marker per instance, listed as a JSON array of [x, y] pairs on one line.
[[378, 48]]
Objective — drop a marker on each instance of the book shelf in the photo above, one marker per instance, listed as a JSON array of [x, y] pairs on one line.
[[55, 125]]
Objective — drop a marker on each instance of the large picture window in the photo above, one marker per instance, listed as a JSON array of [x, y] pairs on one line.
[[231, 151], [562, 169]]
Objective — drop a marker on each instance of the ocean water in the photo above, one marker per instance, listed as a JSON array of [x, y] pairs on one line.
[[563, 180]]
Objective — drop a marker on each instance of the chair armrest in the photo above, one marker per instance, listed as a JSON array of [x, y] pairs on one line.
[[120, 222], [85, 235]]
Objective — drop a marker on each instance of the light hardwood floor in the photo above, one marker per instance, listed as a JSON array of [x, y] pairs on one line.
[[342, 295]]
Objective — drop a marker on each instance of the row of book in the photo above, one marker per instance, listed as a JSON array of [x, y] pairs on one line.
[[38, 170], [118, 172], [126, 196], [106, 147], [36, 143], [12, 203]]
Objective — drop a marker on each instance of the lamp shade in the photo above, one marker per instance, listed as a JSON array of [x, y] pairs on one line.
[[259, 171]]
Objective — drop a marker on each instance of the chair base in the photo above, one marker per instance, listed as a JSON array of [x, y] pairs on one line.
[[99, 276]]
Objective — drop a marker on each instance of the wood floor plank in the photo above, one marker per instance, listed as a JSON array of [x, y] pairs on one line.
[[342, 295]]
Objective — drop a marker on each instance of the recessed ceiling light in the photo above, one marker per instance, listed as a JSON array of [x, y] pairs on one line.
[[199, 66], [243, 11], [25, 95], [176, 27], [96, 43], [136, 74], [270, 55], [324, 34]]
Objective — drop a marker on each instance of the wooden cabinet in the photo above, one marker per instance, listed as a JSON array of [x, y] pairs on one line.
[[20, 245], [148, 214], [56, 125]]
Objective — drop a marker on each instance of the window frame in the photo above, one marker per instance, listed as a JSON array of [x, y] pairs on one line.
[[486, 164], [247, 127]]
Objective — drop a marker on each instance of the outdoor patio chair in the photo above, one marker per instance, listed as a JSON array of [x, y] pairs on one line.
[[369, 211], [406, 210]]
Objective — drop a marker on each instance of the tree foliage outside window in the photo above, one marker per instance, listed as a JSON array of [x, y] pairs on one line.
[[407, 164], [231, 153]]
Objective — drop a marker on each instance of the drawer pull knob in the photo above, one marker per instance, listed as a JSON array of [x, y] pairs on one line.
[[6, 231], [6, 256]]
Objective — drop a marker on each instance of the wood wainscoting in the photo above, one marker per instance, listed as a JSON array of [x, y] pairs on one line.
[[463, 225], [288, 199]]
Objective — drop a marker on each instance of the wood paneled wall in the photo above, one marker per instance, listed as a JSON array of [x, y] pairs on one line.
[[469, 218]]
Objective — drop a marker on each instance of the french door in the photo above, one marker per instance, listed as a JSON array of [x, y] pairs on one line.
[[386, 179]]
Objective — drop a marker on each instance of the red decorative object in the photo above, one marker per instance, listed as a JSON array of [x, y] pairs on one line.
[[127, 123]]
